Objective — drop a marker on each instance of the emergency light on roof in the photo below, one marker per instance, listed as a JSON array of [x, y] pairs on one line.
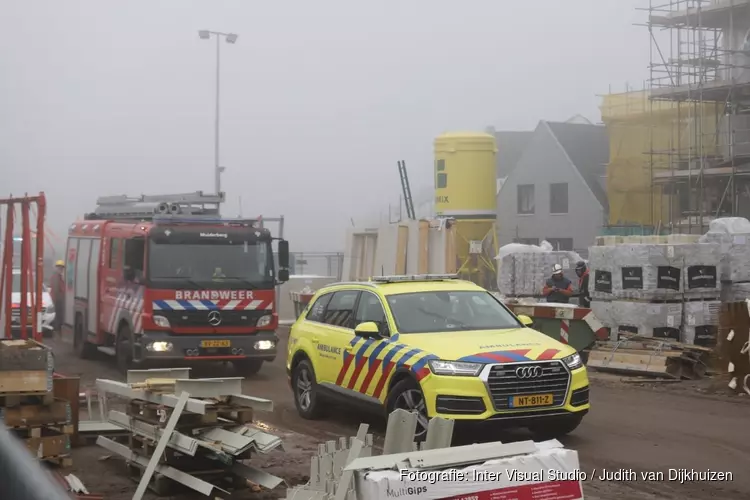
[[414, 277]]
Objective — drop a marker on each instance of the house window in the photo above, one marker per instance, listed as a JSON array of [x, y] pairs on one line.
[[558, 198], [525, 198], [561, 243], [441, 180]]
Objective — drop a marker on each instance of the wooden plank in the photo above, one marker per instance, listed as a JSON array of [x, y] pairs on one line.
[[24, 381], [58, 412], [402, 245], [423, 265]]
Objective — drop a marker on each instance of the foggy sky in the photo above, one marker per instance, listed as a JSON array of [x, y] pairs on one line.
[[319, 99]]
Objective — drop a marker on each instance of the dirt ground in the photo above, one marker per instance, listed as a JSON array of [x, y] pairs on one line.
[[640, 427]]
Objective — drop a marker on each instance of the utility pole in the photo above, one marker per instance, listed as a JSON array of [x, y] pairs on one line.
[[229, 38]]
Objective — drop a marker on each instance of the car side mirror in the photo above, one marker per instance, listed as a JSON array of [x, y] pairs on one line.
[[368, 329], [128, 274], [283, 275], [526, 321]]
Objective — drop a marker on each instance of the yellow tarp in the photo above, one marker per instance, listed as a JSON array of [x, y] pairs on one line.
[[644, 137]]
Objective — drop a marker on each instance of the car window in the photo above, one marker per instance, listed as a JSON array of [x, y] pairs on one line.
[[443, 311], [371, 309], [340, 311], [319, 307]]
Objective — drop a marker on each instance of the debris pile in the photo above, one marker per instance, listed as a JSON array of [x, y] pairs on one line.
[[650, 357], [187, 433], [27, 402]]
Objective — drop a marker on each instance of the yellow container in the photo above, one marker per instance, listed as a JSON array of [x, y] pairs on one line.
[[465, 179], [476, 248]]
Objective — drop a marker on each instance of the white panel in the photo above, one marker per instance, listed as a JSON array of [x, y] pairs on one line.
[[70, 277], [82, 283], [93, 284]]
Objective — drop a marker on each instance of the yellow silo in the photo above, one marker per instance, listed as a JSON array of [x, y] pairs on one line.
[[466, 190]]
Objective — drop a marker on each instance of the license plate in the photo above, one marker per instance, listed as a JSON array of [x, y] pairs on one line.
[[535, 400], [215, 343]]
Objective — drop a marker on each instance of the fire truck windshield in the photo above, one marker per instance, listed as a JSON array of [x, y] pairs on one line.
[[246, 263]]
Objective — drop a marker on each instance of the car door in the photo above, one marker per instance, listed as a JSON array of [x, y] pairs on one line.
[[311, 329], [334, 340], [370, 308]]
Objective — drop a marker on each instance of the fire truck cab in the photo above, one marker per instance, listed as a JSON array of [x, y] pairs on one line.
[[164, 278]]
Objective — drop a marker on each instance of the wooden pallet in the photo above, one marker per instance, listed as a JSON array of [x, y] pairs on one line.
[[11, 399], [62, 461], [155, 414], [36, 432], [33, 414]]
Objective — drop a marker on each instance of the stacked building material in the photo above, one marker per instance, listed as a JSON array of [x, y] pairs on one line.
[[189, 433], [27, 401], [643, 288], [732, 234], [523, 269]]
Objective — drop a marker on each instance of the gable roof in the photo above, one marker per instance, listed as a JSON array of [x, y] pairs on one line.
[[587, 146], [510, 146]]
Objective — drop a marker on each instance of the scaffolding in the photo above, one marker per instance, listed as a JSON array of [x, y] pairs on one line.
[[700, 69]]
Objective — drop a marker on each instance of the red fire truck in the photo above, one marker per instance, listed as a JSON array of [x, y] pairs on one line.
[[163, 278]]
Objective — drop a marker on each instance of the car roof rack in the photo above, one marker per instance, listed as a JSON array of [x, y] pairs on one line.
[[413, 277]]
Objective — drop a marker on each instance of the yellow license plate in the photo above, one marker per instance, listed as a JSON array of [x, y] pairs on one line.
[[535, 400], [216, 343]]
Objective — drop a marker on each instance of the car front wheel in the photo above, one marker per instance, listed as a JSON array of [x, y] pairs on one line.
[[407, 395], [306, 391]]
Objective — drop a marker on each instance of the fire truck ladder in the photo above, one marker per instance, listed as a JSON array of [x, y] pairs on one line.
[[408, 202], [147, 207]]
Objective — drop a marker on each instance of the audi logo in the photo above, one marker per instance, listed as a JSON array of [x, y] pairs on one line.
[[529, 371], [214, 318]]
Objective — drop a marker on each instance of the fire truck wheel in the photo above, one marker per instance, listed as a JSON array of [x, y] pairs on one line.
[[83, 348], [248, 367], [124, 351]]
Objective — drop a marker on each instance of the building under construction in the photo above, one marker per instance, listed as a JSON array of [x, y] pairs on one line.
[[699, 87]]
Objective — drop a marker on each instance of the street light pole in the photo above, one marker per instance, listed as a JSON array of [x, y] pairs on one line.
[[229, 38]]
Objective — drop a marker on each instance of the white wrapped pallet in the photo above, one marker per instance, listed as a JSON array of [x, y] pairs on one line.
[[643, 318], [735, 292], [701, 322], [654, 272], [523, 269], [551, 474], [733, 236]]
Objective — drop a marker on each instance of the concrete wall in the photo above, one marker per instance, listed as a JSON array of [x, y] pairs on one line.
[[543, 163]]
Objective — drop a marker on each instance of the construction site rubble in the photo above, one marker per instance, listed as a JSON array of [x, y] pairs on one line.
[[523, 269], [350, 471], [193, 433]]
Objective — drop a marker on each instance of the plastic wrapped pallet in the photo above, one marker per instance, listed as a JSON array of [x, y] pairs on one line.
[[701, 322], [654, 272], [547, 473], [735, 292], [733, 236], [523, 269], [643, 318]]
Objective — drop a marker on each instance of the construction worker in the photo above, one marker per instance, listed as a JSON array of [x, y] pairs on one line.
[[582, 271], [558, 288], [57, 291]]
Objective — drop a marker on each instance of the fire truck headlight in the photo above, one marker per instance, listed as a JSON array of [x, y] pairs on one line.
[[161, 321], [264, 321], [264, 345], [159, 346]]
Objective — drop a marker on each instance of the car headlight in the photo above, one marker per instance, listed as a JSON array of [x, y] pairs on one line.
[[264, 345], [440, 367], [264, 321], [161, 321], [573, 361]]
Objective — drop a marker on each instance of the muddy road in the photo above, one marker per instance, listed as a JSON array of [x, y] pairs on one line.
[[643, 429]]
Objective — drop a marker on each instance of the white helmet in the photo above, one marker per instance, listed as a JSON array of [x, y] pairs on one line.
[[557, 269]]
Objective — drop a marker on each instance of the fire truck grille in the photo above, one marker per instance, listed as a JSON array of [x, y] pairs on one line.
[[200, 318], [504, 383]]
